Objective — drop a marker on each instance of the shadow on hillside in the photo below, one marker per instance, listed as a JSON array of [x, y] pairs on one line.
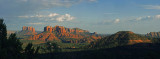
[[136, 51]]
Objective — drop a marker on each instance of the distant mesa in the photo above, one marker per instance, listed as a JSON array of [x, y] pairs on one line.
[[129, 32], [25, 28], [26, 31], [153, 34]]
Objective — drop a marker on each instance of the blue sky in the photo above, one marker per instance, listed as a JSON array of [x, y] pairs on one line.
[[102, 16]]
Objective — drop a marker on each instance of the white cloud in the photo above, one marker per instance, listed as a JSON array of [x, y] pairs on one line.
[[139, 18], [108, 22], [66, 17], [69, 17], [51, 17], [53, 14], [117, 21], [21, 7], [143, 18], [149, 16], [157, 17], [152, 7]]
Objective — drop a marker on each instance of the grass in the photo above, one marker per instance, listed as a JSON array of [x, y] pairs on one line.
[[66, 47], [34, 42]]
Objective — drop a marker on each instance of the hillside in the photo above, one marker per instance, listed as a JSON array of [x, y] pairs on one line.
[[119, 39]]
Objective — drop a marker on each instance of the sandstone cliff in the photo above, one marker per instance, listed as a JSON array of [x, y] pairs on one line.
[[25, 28], [61, 33], [26, 32], [62, 29]]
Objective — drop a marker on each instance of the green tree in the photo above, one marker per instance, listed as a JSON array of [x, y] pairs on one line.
[[3, 39], [37, 50], [14, 46], [29, 51], [10, 48], [53, 47], [3, 33]]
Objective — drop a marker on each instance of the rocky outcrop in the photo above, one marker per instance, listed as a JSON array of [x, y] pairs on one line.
[[25, 28], [62, 29], [61, 33], [44, 36], [78, 30], [153, 34], [48, 28], [26, 32]]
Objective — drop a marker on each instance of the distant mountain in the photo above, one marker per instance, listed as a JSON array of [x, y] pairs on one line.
[[67, 35], [26, 32], [119, 39], [153, 34]]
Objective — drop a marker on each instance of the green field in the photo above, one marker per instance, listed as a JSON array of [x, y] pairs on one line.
[[65, 47]]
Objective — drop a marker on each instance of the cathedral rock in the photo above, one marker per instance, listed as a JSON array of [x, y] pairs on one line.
[[61, 33], [25, 28]]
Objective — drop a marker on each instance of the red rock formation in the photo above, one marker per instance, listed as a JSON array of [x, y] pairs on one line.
[[70, 30], [48, 28], [69, 35], [60, 32], [33, 30], [60, 29], [44, 37], [25, 28]]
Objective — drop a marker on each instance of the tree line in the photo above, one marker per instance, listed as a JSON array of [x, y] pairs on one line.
[[11, 47]]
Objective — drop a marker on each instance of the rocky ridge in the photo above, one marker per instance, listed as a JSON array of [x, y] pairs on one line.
[[25, 28], [61, 33], [153, 34]]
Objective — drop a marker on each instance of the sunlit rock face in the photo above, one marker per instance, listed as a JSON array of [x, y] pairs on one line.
[[48, 28], [25, 28], [61, 33], [28, 30]]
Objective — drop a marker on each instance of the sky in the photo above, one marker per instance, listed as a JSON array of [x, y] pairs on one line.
[[102, 16]]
